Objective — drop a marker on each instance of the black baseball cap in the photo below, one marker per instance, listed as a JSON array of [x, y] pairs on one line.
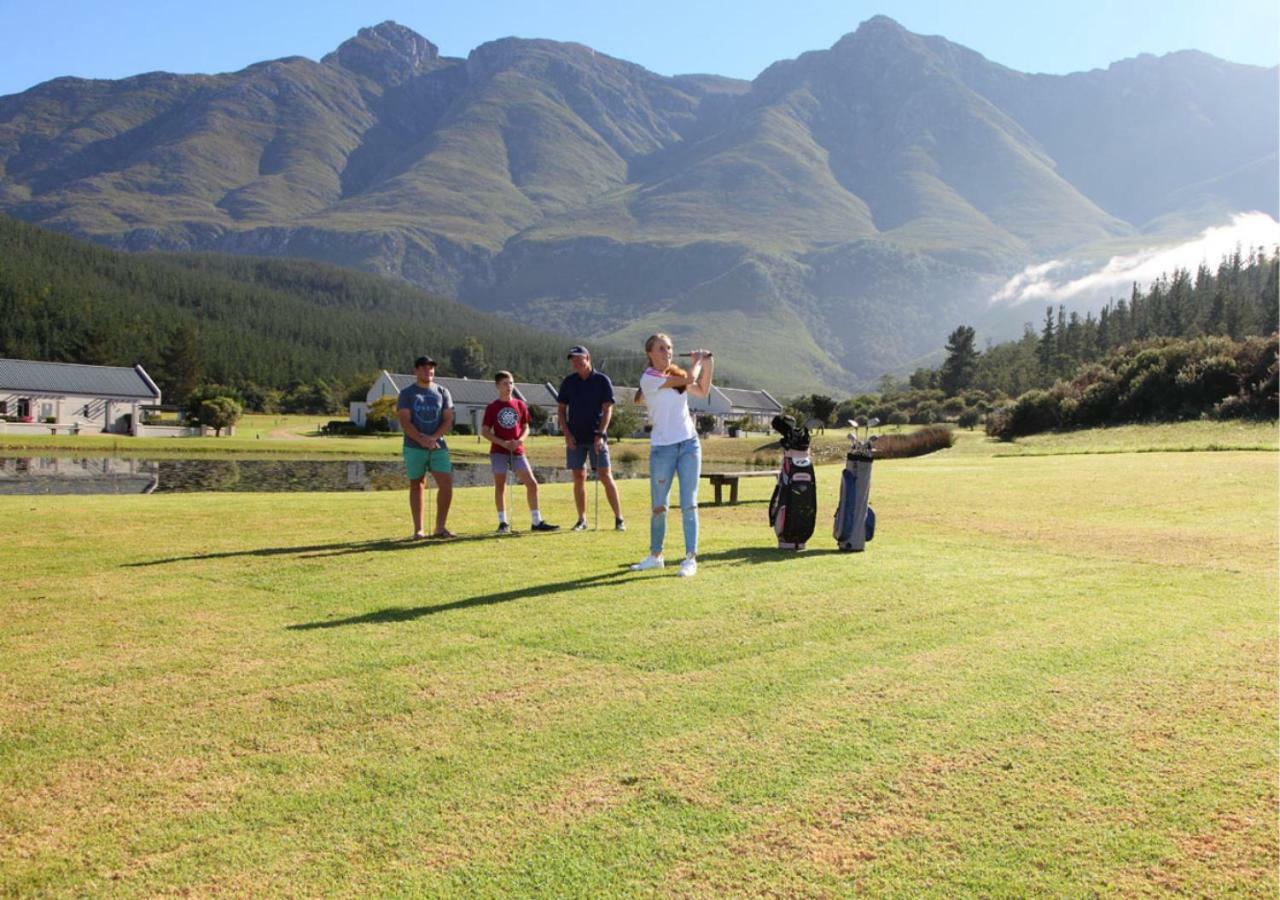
[[577, 350], [423, 361]]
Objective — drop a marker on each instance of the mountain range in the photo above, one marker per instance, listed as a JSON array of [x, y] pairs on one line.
[[828, 221]]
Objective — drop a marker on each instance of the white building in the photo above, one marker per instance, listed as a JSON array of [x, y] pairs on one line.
[[754, 404], [470, 397], [72, 398]]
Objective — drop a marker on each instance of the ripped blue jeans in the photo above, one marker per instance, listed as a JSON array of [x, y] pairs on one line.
[[685, 460]]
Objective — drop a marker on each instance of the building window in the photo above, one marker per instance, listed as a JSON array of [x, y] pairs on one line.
[[4, 407]]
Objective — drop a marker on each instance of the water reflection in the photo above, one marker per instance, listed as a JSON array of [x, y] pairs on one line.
[[108, 475], [66, 475]]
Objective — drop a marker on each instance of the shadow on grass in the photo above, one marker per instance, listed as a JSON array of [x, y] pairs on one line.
[[757, 555], [409, 613], [624, 575], [315, 551]]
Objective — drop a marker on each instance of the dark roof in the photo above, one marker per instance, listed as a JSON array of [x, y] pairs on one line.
[[741, 398], [536, 394], [472, 392], [62, 379]]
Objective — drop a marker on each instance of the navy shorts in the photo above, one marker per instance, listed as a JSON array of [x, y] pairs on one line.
[[577, 457]]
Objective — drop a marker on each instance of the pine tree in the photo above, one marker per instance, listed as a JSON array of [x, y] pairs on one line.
[[181, 364], [962, 361], [1047, 349], [467, 360]]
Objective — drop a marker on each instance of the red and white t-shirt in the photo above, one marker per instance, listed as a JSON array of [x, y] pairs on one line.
[[508, 420]]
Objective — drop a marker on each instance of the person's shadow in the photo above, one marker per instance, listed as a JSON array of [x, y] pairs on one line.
[[316, 551], [409, 613], [748, 555]]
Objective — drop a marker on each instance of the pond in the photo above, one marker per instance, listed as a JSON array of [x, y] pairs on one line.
[[115, 475]]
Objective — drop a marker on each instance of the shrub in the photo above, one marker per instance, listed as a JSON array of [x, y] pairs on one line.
[[1256, 361], [1097, 403], [537, 418], [383, 413], [340, 427], [1033, 412], [897, 417], [625, 421], [969, 418], [219, 413], [917, 443], [926, 413], [1149, 391], [1203, 383], [1233, 407], [463, 429]]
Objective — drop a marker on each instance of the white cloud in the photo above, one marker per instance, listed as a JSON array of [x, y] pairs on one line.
[[1037, 282]]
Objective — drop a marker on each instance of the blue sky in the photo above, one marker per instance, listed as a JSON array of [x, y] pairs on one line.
[[97, 39]]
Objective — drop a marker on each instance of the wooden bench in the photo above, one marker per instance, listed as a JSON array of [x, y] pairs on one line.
[[720, 479]]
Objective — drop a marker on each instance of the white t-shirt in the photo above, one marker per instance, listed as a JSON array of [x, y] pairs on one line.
[[668, 410]]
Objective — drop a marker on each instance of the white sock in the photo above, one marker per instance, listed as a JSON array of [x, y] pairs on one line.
[[502, 517], [537, 516]]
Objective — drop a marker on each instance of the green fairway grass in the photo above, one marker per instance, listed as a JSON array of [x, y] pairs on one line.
[[1170, 436], [1048, 675]]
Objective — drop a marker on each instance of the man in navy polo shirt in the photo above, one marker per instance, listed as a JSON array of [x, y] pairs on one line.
[[585, 408]]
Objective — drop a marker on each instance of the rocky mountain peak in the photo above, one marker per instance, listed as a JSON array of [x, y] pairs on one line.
[[388, 53]]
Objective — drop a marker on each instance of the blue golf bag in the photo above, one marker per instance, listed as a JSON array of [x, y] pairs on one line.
[[855, 521]]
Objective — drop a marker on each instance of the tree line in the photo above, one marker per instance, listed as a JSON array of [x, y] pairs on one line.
[[282, 334], [1237, 300], [1190, 344]]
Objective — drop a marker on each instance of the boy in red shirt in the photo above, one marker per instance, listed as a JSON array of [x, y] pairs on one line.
[[506, 425]]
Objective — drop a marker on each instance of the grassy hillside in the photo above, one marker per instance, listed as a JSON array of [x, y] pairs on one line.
[[1022, 687]]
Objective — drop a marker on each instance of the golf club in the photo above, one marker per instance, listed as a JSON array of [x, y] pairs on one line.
[[511, 473], [426, 518]]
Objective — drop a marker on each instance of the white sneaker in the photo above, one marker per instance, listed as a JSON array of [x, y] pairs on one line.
[[688, 567], [649, 562]]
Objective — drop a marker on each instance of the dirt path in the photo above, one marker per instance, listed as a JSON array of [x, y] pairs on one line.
[[286, 434]]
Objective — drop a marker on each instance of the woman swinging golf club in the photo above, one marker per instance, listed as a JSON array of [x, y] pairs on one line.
[[674, 447]]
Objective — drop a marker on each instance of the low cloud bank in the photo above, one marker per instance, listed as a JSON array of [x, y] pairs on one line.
[[1053, 282]]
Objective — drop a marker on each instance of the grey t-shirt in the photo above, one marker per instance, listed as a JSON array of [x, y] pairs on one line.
[[426, 406]]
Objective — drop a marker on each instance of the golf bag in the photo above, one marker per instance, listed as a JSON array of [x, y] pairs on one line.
[[855, 521], [794, 504]]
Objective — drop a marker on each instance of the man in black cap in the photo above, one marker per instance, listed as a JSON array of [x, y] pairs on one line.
[[425, 410], [585, 408]]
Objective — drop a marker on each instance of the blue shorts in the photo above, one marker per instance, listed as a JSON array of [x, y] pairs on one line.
[[500, 462], [417, 462], [577, 457]]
